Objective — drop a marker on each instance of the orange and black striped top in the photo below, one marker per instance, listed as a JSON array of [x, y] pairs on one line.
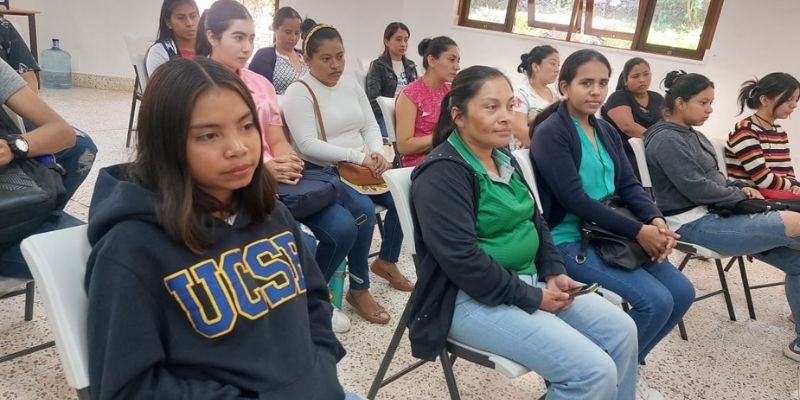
[[759, 156]]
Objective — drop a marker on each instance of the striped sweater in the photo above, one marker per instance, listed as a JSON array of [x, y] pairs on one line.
[[759, 156]]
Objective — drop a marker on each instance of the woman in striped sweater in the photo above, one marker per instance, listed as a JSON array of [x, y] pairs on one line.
[[757, 150]]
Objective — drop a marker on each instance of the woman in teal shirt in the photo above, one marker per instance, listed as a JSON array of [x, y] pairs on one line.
[[580, 162], [489, 274]]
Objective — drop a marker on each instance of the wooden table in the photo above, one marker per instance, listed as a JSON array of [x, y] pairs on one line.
[[31, 25]]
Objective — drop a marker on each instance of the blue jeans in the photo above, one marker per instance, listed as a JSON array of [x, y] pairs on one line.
[[336, 230], [587, 351], [77, 161], [762, 236], [12, 264], [658, 293], [392, 240]]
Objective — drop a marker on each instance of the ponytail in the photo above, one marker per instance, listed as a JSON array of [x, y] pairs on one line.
[[747, 96], [445, 125]]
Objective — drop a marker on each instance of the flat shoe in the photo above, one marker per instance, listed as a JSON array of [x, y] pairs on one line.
[[378, 316], [398, 282]]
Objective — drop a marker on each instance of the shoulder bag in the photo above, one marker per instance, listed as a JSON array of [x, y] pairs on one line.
[[30, 191], [351, 172], [615, 250]]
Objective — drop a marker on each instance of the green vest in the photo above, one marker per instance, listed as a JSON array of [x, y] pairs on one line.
[[597, 178], [504, 225]]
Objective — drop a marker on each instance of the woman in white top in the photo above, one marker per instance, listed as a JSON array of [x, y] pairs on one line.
[[177, 33], [352, 135], [541, 66]]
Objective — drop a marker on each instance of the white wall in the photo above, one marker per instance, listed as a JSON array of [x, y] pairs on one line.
[[91, 30], [752, 38]]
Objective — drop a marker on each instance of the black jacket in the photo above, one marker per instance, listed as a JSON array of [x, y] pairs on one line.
[[444, 196], [166, 323], [382, 81]]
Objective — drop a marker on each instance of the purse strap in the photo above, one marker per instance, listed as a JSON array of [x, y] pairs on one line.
[[316, 110]]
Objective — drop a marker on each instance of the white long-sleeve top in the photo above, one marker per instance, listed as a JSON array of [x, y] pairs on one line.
[[349, 122]]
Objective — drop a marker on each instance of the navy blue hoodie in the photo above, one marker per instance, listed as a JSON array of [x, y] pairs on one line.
[[249, 318]]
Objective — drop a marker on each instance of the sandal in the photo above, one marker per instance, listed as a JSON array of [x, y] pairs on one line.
[[367, 308], [388, 270]]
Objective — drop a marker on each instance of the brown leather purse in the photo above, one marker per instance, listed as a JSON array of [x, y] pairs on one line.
[[351, 172]]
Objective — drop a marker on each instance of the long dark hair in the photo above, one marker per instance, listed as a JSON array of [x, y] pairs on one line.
[[535, 56], [464, 87], [680, 85], [567, 73], [771, 85], [166, 34], [161, 162], [434, 47], [626, 70], [218, 19], [390, 30]]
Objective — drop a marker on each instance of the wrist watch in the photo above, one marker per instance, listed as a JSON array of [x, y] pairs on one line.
[[18, 145]]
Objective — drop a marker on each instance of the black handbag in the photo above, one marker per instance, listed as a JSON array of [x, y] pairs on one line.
[[315, 191], [615, 250], [753, 206], [30, 191]]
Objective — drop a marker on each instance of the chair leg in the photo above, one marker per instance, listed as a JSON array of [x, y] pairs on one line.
[[133, 110], [84, 394], [682, 329], [685, 260], [30, 292], [449, 377], [379, 222], [746, 284], [378, 381], [725, 292]]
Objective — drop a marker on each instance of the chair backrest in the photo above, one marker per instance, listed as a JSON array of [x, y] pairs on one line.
[[524, 160], [719, 150], [399, 182], [361, 78], [637, 144], [386, 105], [137, 51], [57, 260]]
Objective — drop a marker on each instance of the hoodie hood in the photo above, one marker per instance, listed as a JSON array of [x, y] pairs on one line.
[[662, 126], [116, 198]]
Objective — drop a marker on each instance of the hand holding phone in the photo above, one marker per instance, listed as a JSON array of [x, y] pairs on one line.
[[585, 289]]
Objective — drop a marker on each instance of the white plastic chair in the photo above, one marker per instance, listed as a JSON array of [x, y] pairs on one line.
[[691, 250], [399, 182], [57, 260], [387, 106], [16, 118], [524, 160], [719, 151], [137, 50]]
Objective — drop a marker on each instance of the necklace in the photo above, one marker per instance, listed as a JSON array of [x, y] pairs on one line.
[[762, 119]]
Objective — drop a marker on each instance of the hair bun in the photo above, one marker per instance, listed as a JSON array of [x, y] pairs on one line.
[[672, 78], [306, 26], [423, 46]]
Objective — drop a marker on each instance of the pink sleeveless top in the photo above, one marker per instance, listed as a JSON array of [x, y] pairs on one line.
[[428, 103]]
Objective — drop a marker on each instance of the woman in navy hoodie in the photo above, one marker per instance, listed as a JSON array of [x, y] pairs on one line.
[[579, 162], [199, 283]]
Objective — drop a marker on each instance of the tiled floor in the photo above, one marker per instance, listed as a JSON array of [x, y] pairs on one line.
[[722, 359]]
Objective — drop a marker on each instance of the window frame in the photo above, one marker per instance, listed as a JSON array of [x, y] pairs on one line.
[[638, 39]]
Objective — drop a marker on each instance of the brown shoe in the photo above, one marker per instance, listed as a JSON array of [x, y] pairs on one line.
[[388, 270], [366, 307]]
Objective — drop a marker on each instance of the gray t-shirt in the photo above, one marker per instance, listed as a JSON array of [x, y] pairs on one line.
[[10, 82]]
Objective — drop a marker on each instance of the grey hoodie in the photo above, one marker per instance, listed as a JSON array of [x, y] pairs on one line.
[[684, 170]]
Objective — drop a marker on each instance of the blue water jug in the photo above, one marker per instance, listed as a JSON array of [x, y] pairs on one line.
[[56, 68]]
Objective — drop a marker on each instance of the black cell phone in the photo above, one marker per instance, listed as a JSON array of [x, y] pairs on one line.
[[585, 289]]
